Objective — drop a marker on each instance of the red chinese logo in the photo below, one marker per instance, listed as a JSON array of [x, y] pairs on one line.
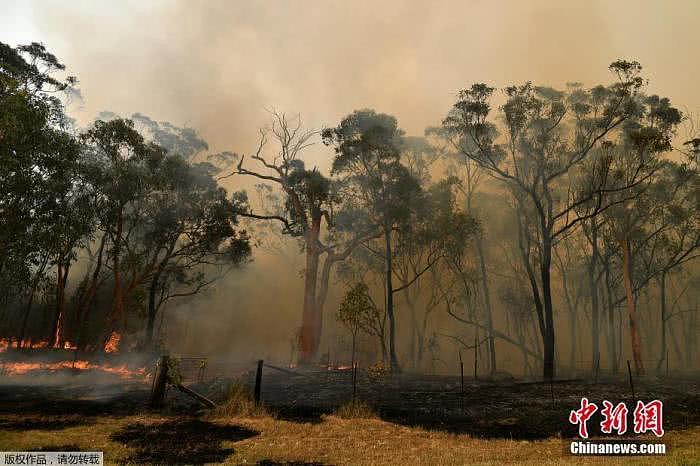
[[614, 419], [581, 416], [648, 417]]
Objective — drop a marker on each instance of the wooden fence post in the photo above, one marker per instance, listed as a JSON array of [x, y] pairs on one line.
[[629, 372], [159, 382], [354, 381], [597, 366], [476, 357], [258, 382], [461, 370]]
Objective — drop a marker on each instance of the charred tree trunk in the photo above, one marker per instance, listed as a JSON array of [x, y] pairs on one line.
[[153, 291], [388, 271], [532, 279], [548, 343], [573, 320], [414, 329], [30, 300], [61, 280], [118, 294], [612, 343], [88, 296], [631, 306], [152, 310], [593, 289], [662, 298], [487, 305], [311, 320]]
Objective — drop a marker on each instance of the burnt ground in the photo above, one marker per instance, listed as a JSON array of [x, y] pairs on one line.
[[490, 410], [505, 409]]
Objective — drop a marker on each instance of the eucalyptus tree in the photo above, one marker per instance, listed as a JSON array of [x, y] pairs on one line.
[[168, 229], [636, 165], [439, 232], [44, 208], [188, 237], [123, 172], [470, 175], [671, 233], [309, 208], [367, 148], [357, 312], [545, 137]]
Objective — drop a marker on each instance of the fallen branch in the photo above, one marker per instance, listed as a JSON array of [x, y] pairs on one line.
[[201, 398]]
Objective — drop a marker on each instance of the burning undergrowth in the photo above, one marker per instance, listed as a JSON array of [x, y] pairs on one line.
[[32, 359]]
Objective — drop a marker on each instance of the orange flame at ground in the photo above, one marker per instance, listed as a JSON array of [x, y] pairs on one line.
[[69, 346], [6, 343], [112, 345], [27, 343], [20, 368]]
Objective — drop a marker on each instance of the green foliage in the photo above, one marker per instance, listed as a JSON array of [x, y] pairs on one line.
[[174, 377], [44, 204], [132, 185], [367, 149], [357, 311]]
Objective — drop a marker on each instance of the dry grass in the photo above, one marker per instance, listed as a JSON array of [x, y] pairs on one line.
[[332, 441], [356, 409], [239, 403]]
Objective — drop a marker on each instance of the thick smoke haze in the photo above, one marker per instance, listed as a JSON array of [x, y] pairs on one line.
[[219, 66], [216, 66]]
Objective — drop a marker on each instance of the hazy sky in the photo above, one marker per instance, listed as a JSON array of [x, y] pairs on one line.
[[216, 65]]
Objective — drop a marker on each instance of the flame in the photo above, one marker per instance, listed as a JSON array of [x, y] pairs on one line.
[[20, 368], [69, 346], [6, 343], [112, 345]]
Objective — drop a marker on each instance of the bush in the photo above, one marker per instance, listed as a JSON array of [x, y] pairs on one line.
[[356, 410], [378, 371], [239, 403]]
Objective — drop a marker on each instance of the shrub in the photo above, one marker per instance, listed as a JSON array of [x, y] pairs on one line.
[[356, 410], [239, 403]]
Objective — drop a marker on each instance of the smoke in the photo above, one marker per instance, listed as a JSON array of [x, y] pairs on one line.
[[216, 66]]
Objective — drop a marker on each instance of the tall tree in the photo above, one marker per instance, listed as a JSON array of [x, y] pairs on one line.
[[188, 230], [546, 136], [306, 212], [124, 171], [44, 209], [368, 158]]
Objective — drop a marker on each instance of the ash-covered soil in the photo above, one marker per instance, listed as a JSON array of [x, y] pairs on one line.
[[503, 409]]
